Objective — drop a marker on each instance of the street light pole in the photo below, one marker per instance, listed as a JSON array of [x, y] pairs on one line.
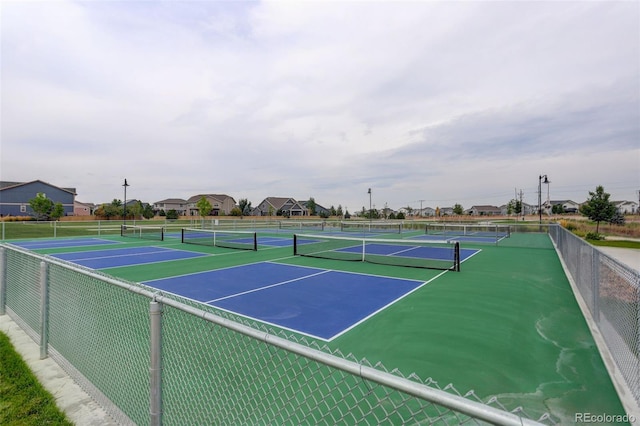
[[124, 207], [540, 182], [370, 211]]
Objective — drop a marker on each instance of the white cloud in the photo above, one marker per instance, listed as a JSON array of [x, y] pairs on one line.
[[321, 99]]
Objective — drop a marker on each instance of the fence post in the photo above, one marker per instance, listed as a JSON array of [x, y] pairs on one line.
[[155, 369], [3, 280], [595, 277], [44, 310]]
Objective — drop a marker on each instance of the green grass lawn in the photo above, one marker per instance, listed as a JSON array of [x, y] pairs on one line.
[[616, 243], [23, 400]]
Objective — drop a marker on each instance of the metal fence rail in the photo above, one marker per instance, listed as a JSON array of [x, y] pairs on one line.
[[151, 359], [611, 292]]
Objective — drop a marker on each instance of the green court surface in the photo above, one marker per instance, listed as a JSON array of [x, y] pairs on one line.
[[506, 325]]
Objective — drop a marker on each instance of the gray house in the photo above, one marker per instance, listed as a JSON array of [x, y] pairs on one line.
[[272, 206], [15, 197]]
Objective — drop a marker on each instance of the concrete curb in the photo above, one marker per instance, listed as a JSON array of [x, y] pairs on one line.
[[79, 407]]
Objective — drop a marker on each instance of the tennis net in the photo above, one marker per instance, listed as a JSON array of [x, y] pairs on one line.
[[443, 255], [143, 232], [302, 225], [243, 240], [371, 227], [469, 230]]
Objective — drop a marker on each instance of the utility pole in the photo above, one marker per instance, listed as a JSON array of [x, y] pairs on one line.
[[521, 205]]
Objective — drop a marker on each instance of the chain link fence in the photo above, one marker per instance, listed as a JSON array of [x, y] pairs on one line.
[[152, 359], [611, 292]]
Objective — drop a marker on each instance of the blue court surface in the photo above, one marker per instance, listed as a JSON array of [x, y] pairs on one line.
[[275, 241], [316, 302], [76, 242], [102, 259]]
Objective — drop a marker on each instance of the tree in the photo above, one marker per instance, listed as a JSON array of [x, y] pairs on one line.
[[245, 207], [339, 211], [204, 207], [598, 208], [172, 214], [457, 209], [311, 206], [136, 209], [147, 212], [41, 206], [57, 212]]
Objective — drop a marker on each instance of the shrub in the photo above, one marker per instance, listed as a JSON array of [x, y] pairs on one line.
[[569, 226], [594, 236]]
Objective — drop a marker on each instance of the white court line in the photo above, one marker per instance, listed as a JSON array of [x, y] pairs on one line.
[[385, 307], [268, 286]]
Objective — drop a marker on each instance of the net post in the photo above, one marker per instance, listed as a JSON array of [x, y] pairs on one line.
[[456, 256], [122, 230], [295, 244], [182, 235], [255, 241], [162, 233]]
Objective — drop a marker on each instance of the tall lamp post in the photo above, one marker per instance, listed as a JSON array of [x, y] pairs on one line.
[[370, 211], [540, 182], [124, 207]]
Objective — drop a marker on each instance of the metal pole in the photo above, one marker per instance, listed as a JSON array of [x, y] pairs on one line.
[[44, 310], [540, 198], [370, 210], [155, 368], [124, 206], [3, 280]]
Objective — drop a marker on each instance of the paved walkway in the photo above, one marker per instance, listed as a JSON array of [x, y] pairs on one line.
[[630, 257], [79, 407]]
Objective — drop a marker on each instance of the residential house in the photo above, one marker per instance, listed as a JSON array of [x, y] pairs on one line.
[[626, 207], [426, 212], [568, 206], [177, 204], [527, 209], [82, 209], [221, 204], [15, 197], [484, 211], [320, 211], [272, 206], [446, 211]]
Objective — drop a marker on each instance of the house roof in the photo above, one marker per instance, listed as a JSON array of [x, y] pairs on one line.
[[7, 185], [485, 208], [171, 201], [219, 197], [563, 201], [279, 202]]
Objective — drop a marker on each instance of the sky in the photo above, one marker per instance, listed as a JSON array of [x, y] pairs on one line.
[[428, 103]]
